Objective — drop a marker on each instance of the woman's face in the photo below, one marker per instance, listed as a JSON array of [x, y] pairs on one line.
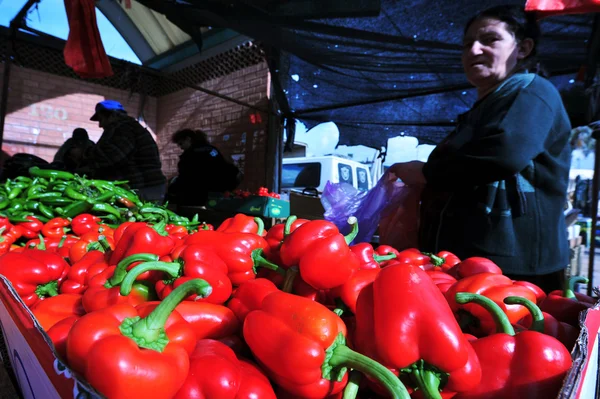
[[490, 52]]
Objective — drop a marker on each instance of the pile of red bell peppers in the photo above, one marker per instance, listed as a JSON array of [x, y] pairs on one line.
[[155, 310]]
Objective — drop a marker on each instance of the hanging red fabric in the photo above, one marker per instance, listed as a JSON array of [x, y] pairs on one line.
[[546, 8], [84, 51]]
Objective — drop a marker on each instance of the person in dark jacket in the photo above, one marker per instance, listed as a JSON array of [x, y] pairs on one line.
[[69, 154], [125, 151], [202, 169], [496, 186]]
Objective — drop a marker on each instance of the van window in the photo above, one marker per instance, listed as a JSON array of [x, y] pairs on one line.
[[363, 179], [345, 173], [301, 175]]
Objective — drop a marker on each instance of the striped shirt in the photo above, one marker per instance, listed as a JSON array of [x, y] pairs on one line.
[[125, 151]]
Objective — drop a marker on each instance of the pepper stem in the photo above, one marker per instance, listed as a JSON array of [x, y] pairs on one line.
[[536, 313], [287, 229], [339, 356], [351, 390], [42, 244], [569, 291], [352, 235], [434, 259], [160, 228], [62, 241], [428, 382], [149, 332], [260, 261], [172, 269], [502, 323], [46, 290], [288, 281], [260, 226], [383, 258], [121, 269], [104, 243]]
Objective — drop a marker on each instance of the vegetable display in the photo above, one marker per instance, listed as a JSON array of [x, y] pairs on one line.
[[140, 302]]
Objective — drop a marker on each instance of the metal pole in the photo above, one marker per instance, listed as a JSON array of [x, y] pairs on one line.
[[595, 188], [15, 24]]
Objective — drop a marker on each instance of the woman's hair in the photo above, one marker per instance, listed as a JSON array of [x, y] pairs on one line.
[[198, 137], [520, 23]]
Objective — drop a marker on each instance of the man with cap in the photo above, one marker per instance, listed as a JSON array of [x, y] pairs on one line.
[[125, 151]]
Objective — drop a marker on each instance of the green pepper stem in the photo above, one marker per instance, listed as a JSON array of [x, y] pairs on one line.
[[260, 226], [288, 281], [46, 290], [502, 323], [383, 258], [434, 259], [104, 243], [536, 313], [569, 291], [62, 241], [260, 261], [287, 229], [121, 269], [428, 383], [344, 356], [172, 269], [160, 228], [149, 332], [42, 244], [351, 390], [352, 235]]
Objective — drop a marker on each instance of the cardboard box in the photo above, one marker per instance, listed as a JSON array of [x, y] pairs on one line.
[[306, 205], [31, 355]]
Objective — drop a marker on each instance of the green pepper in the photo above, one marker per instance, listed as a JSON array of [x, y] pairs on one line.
[[24, 179], [49, 173], [46, 211], [32, 205], [74, 194], [51, 194], [35, 189], [105, 196], [56, 201], [4, 203], [21, 217], [16, 205], [106, 208], [14, 192], [77, 208]]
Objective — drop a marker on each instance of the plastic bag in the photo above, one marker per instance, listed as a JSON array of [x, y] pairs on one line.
[[399, 224], [382, 202]]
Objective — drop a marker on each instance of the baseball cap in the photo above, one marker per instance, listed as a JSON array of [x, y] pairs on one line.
[[107, 105]]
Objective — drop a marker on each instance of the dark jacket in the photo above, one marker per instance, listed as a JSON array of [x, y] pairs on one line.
[[496, 186], [125, 151]]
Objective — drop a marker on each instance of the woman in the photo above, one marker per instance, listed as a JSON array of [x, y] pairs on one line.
[[496, 186], [202, 169]]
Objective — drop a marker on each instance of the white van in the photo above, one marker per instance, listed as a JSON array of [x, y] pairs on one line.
[[314, 172]]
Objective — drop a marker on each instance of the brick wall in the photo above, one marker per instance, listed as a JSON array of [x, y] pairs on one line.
[[43, 110], [228, 125]]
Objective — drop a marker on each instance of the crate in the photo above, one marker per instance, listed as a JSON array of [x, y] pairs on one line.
[[254, 205]]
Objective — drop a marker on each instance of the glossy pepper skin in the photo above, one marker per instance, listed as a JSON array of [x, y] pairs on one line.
[[367, 256], [566, 305], [425, 261], [89, 241], [350, 290], [58, 334], [141, 238], [77, 281], [526, 365], [56, 227], [416, 330], [277, 233], [35, 274], [216, 372], [472, 266], [196, 261], [539, 293], [123, 355], [32, 228], [54, 309], [242, 252], [304, 350], [321, 254], [9, 236], [84, 223], [495, 287], [207, 319], [241, 223], [442, 279], [249, 296]]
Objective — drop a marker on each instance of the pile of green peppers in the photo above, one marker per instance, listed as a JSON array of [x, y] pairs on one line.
[[47, 193]]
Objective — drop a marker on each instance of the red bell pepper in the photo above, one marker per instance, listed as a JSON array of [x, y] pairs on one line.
[[424, 260], [77, 281], [119, 231], [349, 291], [54, 309], [84, 223], [249, 296], [242, 252], [123, 355], [196, 261], [32, 228], [385, 250], [449, 260], [58, 334], [566, 305], [524, 365], [415, 331], [56, 227], [140, 237], [321, 254], [472, 266], [496, 287], [545, 323], [241, 223], [277, 233], [539, 293], [35, 274], [254, 382], [216, 372], [9, 237], [59, 245], [105, 288], [303, 349], [367, 256], [442, 279], [92, 240], [207, 319], [176, 231]]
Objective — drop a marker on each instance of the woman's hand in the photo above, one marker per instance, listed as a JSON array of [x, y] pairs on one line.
[[409, 172]]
